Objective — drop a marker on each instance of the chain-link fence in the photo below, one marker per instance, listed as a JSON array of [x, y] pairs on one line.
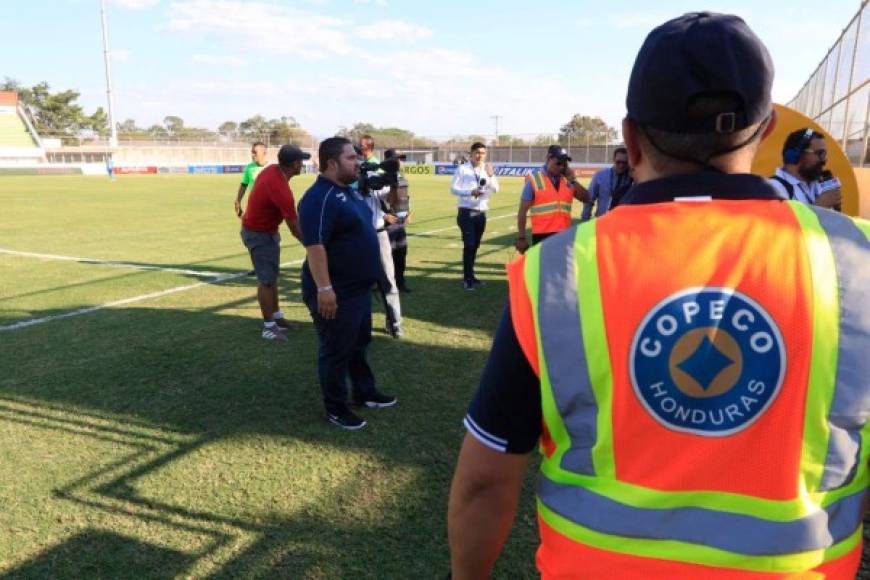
[[837, 94]]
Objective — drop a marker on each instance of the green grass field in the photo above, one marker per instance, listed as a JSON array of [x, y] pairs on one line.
[[161, 437]]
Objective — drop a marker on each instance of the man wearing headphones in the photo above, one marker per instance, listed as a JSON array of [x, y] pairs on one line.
[[804, 154]]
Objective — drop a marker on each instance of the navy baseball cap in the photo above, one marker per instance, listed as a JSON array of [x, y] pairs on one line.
[[290, 153], [558, 152], [700, 54]]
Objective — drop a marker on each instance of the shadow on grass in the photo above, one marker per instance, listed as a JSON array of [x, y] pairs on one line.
[[162, 385], [82, 557]]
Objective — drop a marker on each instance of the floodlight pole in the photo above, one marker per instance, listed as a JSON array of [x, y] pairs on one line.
[[496, 118], [113, 138]]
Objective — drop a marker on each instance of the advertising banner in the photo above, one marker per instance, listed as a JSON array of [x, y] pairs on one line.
[[136, 170], [513, 170], [234, 168], [205, 169], [418, 169]]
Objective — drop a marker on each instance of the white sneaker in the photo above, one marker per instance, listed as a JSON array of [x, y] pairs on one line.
[[274, 334]]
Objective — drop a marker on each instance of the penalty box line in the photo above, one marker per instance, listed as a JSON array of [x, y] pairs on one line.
[[218, 279]]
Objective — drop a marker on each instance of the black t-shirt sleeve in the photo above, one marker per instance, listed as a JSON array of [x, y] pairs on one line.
[[505, 413]]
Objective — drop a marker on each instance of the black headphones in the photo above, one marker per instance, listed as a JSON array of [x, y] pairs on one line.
[[792, 155]]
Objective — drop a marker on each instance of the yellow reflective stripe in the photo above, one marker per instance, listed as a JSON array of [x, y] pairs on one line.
[[825, 344], [863, 225], [543, 208], [595, 345], [550, 412], [538, 180], [694, 554], [553, 206]]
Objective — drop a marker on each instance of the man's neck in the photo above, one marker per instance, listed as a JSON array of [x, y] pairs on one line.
[[333, 179], [793, 171]]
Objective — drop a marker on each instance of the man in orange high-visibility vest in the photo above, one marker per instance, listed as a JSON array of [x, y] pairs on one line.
[[547, 197], [692, 365]]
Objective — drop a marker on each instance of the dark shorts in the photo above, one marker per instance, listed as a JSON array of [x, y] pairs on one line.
[[265, 250]]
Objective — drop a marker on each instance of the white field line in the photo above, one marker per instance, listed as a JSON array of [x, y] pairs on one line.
[[439, 230], [167, 292], [110, 263], [218, 278]]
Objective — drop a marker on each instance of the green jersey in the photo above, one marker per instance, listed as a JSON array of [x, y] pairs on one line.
[[252, 170]]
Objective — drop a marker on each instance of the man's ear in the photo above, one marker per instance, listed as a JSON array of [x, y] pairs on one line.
[[771, 125], [632, 142]]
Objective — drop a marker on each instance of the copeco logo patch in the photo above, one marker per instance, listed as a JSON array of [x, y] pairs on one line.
[[707, 361]]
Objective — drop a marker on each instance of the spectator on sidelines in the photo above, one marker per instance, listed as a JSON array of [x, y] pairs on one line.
[[548, 195], [250, 173], [271, 202], [692, 367], [608, 186], [473, 183], [804, 154], [400, 207], [387, 287], [343, 263], [110, 167]]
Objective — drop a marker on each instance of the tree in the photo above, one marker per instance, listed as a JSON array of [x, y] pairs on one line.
[[385, 136], [157, 131], [128, 127], [174, 125], [582, 129], [257, 127], [228, 128]]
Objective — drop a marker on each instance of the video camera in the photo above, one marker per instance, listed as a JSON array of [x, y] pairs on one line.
[[376, 176]]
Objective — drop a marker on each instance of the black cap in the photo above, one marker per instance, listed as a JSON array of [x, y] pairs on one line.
[[290, 153], [392, 153], [700, 54], [558, 152]]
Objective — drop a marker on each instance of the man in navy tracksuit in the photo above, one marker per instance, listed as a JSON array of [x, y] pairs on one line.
[[342, 264]]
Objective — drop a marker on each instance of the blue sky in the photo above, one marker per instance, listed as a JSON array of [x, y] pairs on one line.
[[438, 69]]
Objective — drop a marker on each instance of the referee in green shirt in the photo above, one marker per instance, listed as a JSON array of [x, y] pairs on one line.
[[252, 169]]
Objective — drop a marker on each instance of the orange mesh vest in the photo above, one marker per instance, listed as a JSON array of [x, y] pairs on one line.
[[551, 208], [704, 385]]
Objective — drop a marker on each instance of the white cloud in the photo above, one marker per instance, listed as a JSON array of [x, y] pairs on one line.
[[217, 60], [375, 2], [135, 4], [431, 90], [394, 30], [267, 28]]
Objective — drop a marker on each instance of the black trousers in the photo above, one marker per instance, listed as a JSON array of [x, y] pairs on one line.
[[342, 350], [399, 243], [472, 224]]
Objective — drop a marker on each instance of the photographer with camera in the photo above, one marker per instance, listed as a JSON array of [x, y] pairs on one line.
[[377, 181], [473, 183], [399, 205], [342, 264], [547, 197]]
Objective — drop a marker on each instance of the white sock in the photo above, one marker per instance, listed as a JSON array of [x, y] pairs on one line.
[[278, 315], [269, 324]]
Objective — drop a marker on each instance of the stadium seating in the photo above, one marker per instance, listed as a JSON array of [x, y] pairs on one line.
[[13, 132]]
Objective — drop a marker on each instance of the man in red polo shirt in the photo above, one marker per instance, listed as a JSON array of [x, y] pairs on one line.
[[271, 202]]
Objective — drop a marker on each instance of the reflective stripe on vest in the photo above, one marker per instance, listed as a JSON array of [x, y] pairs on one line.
[[551, 207], [820, 523], [850, 407]]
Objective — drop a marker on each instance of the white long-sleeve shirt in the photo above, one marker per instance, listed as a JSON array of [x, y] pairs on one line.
[[467, 179], [803, 191]]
